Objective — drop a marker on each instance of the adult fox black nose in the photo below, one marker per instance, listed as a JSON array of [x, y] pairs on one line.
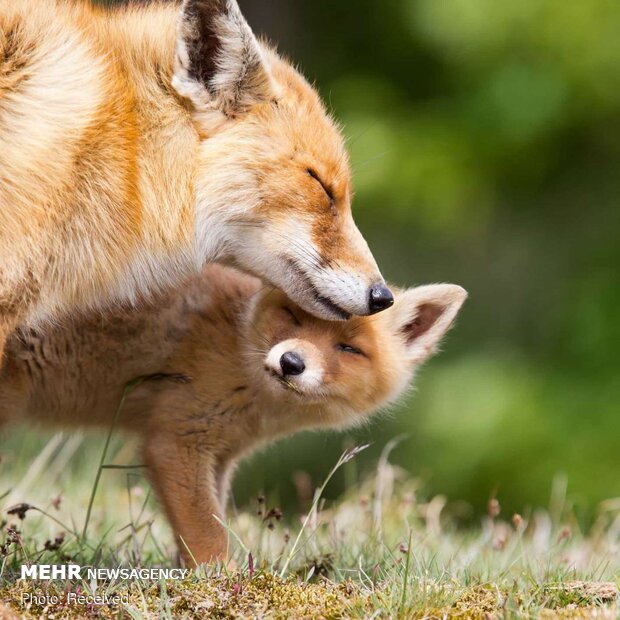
[[291, 364], [379, 298]]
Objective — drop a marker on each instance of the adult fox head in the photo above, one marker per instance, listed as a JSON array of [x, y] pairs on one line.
[[273, 188]]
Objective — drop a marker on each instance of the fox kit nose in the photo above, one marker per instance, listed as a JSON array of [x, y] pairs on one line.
[[379, 298], [291, 364]]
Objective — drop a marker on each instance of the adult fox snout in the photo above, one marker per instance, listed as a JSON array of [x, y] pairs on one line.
[[336, 294], [348, 281], [332, 277], [345, 286]]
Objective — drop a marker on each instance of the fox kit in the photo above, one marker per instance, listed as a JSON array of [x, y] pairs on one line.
[[140, 143], [256, 367]]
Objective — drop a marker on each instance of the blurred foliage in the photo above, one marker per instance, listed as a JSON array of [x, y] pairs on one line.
[[485, 140]]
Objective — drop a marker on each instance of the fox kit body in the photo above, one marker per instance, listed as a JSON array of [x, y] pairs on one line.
[[138, 144], [232, 365]]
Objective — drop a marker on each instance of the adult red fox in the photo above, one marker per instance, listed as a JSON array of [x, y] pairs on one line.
[[258, 368], [140, 143]]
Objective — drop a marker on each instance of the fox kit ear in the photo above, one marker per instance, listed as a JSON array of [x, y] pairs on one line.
[[424, 314], [219, 62]]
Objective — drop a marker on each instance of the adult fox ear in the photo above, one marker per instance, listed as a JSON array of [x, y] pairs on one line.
[[422, 315], [219, 63]]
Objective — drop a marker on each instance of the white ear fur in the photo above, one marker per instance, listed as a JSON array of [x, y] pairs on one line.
[[422, 315], [219, 63]]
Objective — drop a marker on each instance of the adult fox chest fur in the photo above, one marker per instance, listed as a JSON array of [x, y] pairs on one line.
[[137, 144]]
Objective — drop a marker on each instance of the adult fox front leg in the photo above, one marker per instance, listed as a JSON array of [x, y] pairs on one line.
[[140, 143]]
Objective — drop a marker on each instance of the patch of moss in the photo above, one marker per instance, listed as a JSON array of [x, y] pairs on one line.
[[578, 594], [264, 595], [566, 600], [483, 601]]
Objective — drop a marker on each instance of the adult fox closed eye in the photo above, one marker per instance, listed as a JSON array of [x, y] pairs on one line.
[[258, 368], [136, 144]]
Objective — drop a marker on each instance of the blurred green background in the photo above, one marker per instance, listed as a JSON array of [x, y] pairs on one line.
[[485, 139]]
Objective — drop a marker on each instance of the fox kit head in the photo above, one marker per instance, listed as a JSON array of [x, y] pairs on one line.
[[273, 187], [339, 372]]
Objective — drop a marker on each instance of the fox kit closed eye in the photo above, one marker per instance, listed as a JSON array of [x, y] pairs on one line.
[[260, 368], [136, 144]]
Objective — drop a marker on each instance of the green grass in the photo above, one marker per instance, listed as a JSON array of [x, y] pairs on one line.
[[380, 550]]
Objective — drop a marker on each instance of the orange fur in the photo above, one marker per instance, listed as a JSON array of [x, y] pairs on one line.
[[123, 167], [226, 334]]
